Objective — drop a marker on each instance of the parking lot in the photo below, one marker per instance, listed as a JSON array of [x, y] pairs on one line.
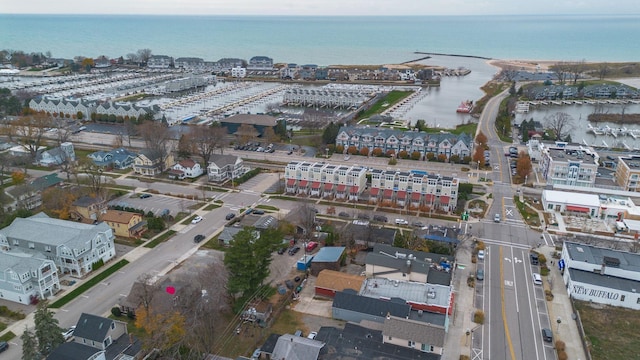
[[156, 203]]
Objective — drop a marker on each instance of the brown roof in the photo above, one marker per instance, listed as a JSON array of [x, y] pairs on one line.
[[338, 281], [187, 163], [117, 216], [251, 119]]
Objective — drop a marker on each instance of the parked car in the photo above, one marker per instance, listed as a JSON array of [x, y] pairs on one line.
[[282, 250], [480, 274], [69, 333], [230, 216], [311, 246], [547, 335], [363, 216], [380, 218], [196, 219], [344, 214], [496, 218], [258, 211], [198, 238], [294, 250], [534, 259], [402, 222], [3, 346], [312, 335], [417, 224], [481, 254], [145, 195]]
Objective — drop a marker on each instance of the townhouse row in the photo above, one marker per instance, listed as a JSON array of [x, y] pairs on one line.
[[402, 188]]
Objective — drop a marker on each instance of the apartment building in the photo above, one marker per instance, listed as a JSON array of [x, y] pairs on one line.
[[73, 247], [27, 278], [395, 141], [325, 180], [260, 63], [627, 173], [565, 164]]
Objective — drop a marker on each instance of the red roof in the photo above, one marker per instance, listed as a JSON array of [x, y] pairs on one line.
[[402, 194], [303, 183], [577, 208], [374, 191], [341, 187], [328, 186], [187, 163], [444, 200], [290, 182], [315, 185], [387, 193], [354, 189], [429, 197], [415, 196]]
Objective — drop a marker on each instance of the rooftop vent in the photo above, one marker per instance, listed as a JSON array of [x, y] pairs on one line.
[[611, 261]]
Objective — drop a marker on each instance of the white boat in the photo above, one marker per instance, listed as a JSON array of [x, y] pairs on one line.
[[595, 131], [605, 144]]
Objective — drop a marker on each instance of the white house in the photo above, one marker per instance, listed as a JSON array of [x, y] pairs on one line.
[[225, 167], [562, 202], [26, 278], [238, 72], [74, 247], [186, 168]]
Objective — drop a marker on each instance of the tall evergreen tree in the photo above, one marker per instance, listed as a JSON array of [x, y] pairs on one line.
[[48, 332], [330, 133], [29, 345]]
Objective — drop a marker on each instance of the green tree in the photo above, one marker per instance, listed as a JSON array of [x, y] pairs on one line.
[[247, 260], [48, 333], [281, 129], [29, 345], [420, 125], [330, 133]]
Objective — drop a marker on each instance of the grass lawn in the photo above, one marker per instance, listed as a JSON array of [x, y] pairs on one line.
[[211, 207], [153, 243], [612, 331], [529, 215], [267, 207], [389, 100]]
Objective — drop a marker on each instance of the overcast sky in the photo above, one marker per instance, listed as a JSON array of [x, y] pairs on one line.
[[320, 7]]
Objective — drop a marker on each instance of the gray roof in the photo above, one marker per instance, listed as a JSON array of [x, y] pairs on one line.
[[42, 229], [417, 331], [266, 222], [605, 281], [340, 345], [263, 120], [228, 232], [72, 351], [426, 137], [92, 327], [596, 256], [19, 264], [223, 160], [349, 300], [292, 347], [329, 254]]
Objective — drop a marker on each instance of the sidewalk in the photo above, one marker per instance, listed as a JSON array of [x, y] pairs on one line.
[[560, 307]]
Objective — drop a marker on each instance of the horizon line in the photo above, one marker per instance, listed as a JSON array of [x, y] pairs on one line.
[[327, 15]]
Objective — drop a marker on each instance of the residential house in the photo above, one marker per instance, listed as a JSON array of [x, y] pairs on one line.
[[414, 189], [119, 158], [225, 167], [29, 195], [227, 234], [74, 247], [96, 337], [260, 63], [189, 63], [292, 347], [150, 163], [160, 62], [88, 207], [56, 105], [329, 257], [327, 180], [56, 156], [226, 64], [186, 168], [26, 278], [413, 334], [124, 224], [238, 72], [395, 141]]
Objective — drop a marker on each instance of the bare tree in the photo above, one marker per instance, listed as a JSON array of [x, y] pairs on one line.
[[561, 70], [130, 129], [246, 132], [560, 123], [603, 70], [576, 69], [132, 58], [144, 55], [95, 180], [158, 140], [29, 132], [207, 139]]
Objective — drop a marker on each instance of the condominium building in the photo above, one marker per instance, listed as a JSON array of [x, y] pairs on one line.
[[27, 278], [414, 188], [325, 180], [73, 247], [573, 165], [627, 173], [395, 141]]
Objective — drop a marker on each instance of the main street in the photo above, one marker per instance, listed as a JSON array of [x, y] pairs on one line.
[[515, 309]]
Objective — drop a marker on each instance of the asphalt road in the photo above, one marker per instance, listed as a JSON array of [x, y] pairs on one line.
[[515, 309]]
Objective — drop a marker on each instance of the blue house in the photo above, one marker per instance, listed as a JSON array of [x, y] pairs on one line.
[[329, 257]]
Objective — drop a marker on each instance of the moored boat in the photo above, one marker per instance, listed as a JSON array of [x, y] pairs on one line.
[[465, 107]]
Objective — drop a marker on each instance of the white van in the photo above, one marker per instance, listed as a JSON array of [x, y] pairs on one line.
[[537, 279]]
